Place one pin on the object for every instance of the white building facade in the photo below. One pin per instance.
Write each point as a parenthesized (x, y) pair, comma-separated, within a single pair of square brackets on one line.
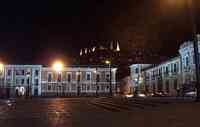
[(36, 80), (21, 80), (169, 76)]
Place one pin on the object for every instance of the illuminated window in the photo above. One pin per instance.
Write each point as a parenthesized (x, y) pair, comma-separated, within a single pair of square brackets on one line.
[(78, 76)]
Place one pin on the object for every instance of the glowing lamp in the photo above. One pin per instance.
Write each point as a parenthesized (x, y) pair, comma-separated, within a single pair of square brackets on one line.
[(107, 62), (58, 66)]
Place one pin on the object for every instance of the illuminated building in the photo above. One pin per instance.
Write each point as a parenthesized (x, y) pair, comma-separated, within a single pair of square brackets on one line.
[(100, 52), (37, 80), (169, 76)]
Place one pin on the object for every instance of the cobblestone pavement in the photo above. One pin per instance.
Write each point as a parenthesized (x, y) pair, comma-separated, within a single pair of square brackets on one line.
[(97, 112)]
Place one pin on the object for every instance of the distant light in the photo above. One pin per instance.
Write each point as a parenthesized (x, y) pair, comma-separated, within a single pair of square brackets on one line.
[(115, 69), (9, 104), (81, 52), (141, 95), (95, 71), (58, 66), (129, 95), (108, 62), (93, 49), (118, 48), (85, 50), (1, 67)]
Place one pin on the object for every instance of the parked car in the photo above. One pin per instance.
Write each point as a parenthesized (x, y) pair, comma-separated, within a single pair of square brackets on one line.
[(160, 94), (190, 94)]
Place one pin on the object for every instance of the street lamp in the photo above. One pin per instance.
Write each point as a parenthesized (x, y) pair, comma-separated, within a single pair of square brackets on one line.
[(97, 88), (78, 82), (57, 67), (108, 62)]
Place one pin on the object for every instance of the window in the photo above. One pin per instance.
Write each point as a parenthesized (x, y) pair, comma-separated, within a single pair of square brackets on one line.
[(35, 92), (9, 73), (36, 82), (28, 72), (22, 81), (28, 81), (175, 68), (49, 87), (160, 72), (8, 80), (167, 71), (88, 87), (19, 72), (17, 81), (83, 86), (73, 87), (136, 70), (98, 78), (187, 61), (172, 67), (59, 77), (108, 87), (69, 77), (78, 76), (107, 77), (49, 77), (88, 76), (36, 72)]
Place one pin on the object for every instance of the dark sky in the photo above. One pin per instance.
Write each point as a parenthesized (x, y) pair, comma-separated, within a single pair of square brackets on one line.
[(39, 31)]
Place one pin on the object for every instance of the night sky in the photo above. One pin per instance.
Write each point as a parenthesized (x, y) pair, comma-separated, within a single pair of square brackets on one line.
[(40, 31)]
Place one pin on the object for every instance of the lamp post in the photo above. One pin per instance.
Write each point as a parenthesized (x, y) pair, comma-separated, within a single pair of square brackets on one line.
[(28, 83), (57, 67), (109, 63), (78, 82), (96, 82)]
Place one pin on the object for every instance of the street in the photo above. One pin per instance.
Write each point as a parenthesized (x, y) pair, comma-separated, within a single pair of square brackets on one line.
[(97, 112)]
